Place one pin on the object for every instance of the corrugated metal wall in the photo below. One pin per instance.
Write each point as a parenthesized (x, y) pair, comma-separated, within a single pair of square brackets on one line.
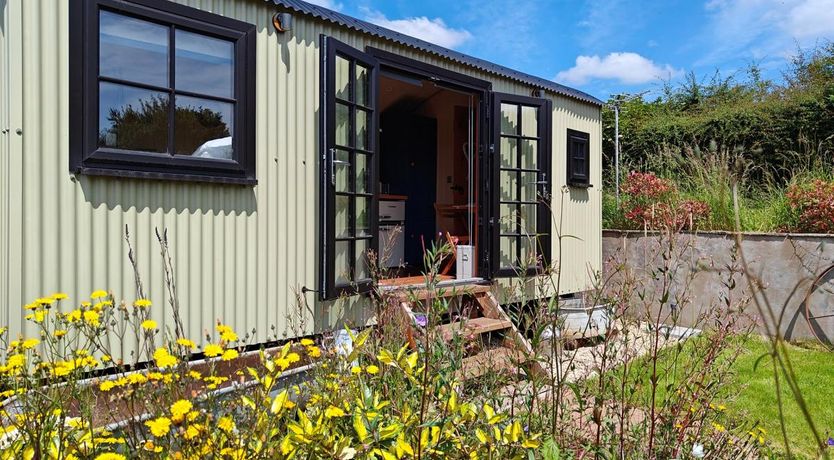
[(241, 253)]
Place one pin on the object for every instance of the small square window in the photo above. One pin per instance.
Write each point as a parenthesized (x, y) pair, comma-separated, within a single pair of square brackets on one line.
[(578, 160), (162, 91)]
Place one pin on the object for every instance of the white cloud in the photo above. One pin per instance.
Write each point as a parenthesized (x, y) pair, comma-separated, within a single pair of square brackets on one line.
[(431, 30), (331, 4), (762, 29), (626, 68)]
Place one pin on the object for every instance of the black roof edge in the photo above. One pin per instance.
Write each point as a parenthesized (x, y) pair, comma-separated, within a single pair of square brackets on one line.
[(350, 22)]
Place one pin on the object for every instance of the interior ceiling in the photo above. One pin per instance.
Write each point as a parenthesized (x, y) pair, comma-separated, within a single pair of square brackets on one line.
[(409, 95)]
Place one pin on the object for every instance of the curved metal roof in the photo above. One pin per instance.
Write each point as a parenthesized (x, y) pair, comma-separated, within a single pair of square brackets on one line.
[(406, 40)]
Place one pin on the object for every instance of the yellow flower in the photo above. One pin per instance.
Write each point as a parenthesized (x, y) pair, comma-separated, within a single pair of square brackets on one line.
[(86, 304), (98, 294), (142, 303), (163, 358), (16, 361), (226, 333), (59, 333), (180, 408), (30, 343), (314, 352), (92, 317), (186, 343), (59, 296), (74, 316), (306, 342), (150, 446), (355, 370), (110, 456), (718, 427), (107, 385), (293, 358), (30, 306), (149, 325), (195, 375), (159, 426), (191, 432), (45, 301), (230, 354), (37, 316), (213, 350), (226, 424), (372, 369)]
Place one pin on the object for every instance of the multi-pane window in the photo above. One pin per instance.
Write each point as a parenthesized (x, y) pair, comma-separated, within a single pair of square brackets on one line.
[(166, 91), (578, 162), (522, 182)]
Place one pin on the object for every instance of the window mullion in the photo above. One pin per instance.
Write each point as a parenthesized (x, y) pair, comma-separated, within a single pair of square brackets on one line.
[(172, 97)]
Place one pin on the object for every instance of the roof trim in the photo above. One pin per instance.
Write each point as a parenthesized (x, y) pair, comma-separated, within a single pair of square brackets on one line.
[(350, 22)]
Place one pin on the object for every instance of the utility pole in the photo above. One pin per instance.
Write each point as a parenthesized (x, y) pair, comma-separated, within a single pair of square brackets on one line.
[(619, 99)]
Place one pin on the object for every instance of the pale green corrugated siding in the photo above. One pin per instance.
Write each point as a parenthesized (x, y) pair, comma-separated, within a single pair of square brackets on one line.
[(65, 233)]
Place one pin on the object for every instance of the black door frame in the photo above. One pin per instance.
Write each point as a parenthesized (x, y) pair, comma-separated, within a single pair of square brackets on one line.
[(396, 63)]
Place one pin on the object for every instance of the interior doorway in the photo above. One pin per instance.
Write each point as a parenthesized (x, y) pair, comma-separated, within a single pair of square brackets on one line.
[(428, 175)]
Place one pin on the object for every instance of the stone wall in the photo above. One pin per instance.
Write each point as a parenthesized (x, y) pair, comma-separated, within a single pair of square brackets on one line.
[(785, 265)]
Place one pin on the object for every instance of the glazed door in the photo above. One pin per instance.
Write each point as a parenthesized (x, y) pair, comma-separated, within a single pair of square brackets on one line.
[(348, 169)]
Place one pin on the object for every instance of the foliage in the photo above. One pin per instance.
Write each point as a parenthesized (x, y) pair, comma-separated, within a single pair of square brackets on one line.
[(650, 202), (363, 404), (814, 204)]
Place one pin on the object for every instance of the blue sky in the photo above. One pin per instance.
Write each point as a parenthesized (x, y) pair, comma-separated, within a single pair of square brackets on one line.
[(607, 47)]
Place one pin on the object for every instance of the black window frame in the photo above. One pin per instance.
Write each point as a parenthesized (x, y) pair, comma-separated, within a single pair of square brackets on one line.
[(85, 155), (578, 149)]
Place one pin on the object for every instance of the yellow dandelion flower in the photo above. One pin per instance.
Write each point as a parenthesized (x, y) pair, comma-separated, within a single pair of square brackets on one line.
[(92, 318), (355, 370), (191, 432), (151, 447), (45, 301), (718, 427), (213, 350), (293, 358), (60, 296), (226, 424), (373, 370), (30, 306), (230, 354), (137, 379), (142, 303), (107, 385), (283, 363), (59, 333), (86, 304), (163, 358), (180, 408), (28, 344), (98, 294), (159, 426), (314, 352), (306, 342), (110, 456), (74, 316), (149, 325), (226, 333), (186, 343), (195, 375), (3, 330)]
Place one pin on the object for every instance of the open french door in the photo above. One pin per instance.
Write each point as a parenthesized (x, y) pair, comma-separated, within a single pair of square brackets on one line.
[(349, 173), (521, 177)]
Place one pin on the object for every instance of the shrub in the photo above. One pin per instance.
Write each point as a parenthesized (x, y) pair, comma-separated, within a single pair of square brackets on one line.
[(652, 202), (813, 202)]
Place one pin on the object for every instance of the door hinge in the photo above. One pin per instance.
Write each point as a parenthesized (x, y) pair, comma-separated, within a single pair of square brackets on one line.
[(492, 149)]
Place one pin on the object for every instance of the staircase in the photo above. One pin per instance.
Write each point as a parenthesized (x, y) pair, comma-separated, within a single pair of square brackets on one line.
[(475, 318)]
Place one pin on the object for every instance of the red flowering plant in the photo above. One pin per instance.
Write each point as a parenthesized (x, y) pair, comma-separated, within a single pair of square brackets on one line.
[(813, 203), (652, 202)]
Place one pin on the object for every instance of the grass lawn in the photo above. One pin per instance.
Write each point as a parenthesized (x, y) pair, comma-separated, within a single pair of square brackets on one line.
[(755, 392)]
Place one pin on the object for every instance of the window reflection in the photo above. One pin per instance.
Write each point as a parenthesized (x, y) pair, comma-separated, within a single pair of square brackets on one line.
[(204, 64), (132, 49), (203, 128), (132, 118)]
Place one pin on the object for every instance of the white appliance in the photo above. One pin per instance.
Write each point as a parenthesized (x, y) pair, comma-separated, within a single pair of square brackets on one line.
[(391, 233), (465, 261)]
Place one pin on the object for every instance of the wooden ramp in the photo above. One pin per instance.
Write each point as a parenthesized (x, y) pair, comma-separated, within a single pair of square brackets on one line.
[(472, 317)]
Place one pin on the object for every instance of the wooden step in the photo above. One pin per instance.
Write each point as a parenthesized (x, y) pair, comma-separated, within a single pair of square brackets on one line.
[(473, 326), (487, 361), (451, 291)]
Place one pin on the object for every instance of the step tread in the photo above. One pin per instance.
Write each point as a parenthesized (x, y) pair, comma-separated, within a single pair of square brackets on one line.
[(489, 361), (473, 326), (452, 291)]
